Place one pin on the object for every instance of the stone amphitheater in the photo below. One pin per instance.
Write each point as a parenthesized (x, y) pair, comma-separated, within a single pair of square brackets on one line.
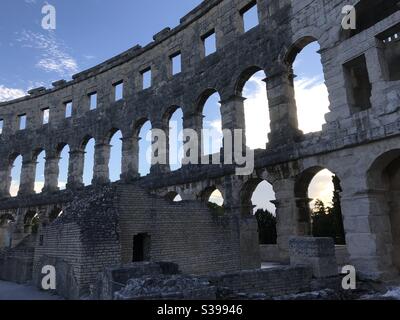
[(109, 225)]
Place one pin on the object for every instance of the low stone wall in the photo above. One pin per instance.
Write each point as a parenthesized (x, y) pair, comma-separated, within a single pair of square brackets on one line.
[(270, 253), (16, 265), (272, 282)]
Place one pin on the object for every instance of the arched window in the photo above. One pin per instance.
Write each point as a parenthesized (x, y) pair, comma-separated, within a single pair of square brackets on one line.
[(318, 191), (39, 175), (257, 196), (145, 151), (114, 165), (63, 165), (15, 175), (88, 162), (173, 197), (176, 140), (256, 110), (216, 198), (309, 83), (212, 124)]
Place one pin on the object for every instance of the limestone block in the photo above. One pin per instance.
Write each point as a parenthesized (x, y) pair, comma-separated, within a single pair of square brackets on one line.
[(318, 253)]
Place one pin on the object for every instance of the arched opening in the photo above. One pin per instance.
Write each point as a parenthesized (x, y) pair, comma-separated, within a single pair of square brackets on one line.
[(16, 166), (214, 199), (63, 166), (115, 162), (311, 93), (175, 139), (212, 123), (6, 221), (384, 184), (318, 200), (40, 159), (31, 222), (173, 197), (54, 214), (257, 198), (88, 161), (145, 151), (257, 120)]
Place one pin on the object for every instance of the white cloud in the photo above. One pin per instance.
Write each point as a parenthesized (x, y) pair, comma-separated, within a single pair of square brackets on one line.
[(256, 113), (7, 94), (321, 187), (54, 56), (312, 103)]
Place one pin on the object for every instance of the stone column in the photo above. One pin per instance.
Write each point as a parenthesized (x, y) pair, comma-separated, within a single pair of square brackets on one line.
[(75, 169), (5, 180), (130, 158), (101, 174), (232, 113), (28, 173), (286, 215), (368, 232), (282, 106), (160, 156), (51, 172), (193, 121)]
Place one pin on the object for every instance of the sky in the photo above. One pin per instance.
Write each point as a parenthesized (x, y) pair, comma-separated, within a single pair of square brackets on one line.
[(91, 31)]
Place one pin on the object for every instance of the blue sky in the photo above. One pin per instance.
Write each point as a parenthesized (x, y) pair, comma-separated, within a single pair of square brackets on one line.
[(91, 31)]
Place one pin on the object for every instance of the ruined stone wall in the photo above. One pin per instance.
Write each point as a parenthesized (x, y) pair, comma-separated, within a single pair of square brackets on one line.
[(357, 142), (185, 233), (80, 243)]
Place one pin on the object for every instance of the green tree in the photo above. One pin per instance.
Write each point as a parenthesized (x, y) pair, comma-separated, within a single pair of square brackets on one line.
[(328, 221), (266, 227)]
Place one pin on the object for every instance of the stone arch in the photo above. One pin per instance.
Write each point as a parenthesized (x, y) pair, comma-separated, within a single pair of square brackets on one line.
[(14, 169), (305, 216), (39, 160), (173, 196), (31, 221), (308, 81), (141, 129), (62, 153), (114, 140), (292, 52), (209, 107), (88, 147), (174, 135), (208, 191), (383, 179), (251, 87), (244, 77)]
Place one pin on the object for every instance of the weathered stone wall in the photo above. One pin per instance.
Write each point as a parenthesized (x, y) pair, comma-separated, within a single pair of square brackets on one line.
[(357, 143), (80, 243), (185, 233), (273, 282)]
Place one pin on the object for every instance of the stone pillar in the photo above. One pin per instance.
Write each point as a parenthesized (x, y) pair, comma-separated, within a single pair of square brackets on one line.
[(368, 232), (282, 107), (286, 215), (5, 180), (101, 174), (160, 156), (193, 121), (130, 158), (232, 112), (75, 169), (28, 173), (248, 238), (51, 172), (303, 216)]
